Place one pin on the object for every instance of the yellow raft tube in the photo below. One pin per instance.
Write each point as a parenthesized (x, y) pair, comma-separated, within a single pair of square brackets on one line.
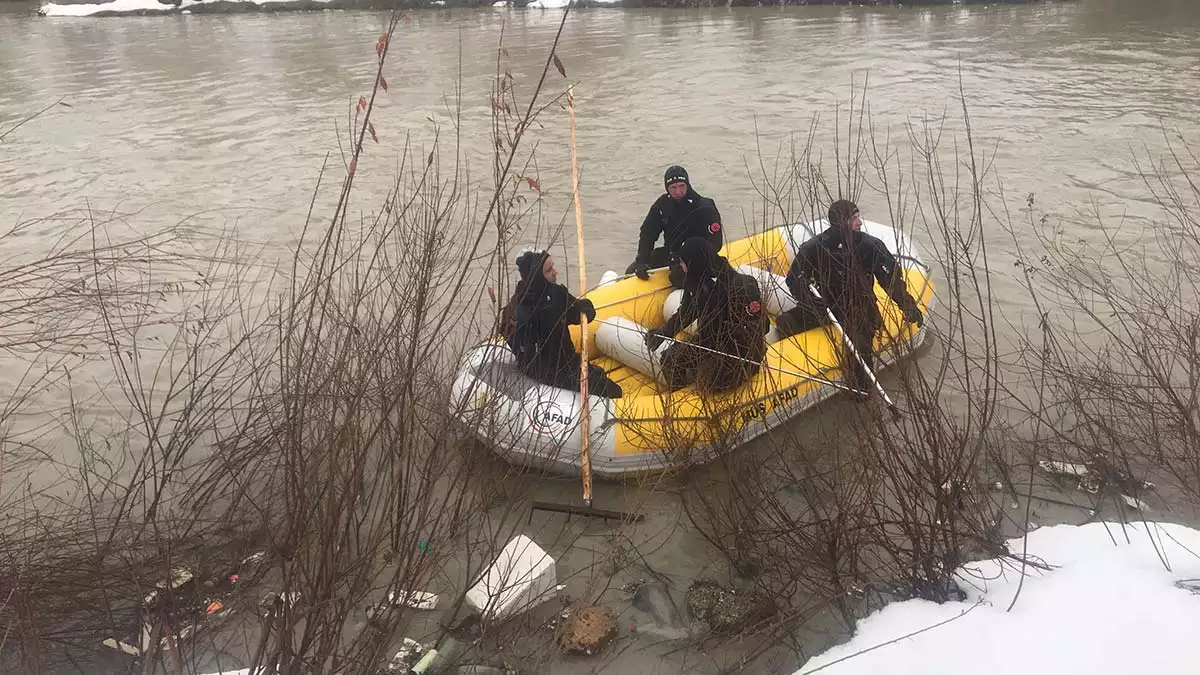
[(649, 428)]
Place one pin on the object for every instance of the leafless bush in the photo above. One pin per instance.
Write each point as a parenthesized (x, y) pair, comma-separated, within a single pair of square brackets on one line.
[(305, 444), (845, 514)]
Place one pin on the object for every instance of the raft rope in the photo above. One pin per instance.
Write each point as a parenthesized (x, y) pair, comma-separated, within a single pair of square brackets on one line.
[(803, 376)]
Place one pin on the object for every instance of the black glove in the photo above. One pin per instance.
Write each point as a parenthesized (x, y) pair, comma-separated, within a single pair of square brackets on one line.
[(642, 270), (912, 314), (585, 306), (654, 338)]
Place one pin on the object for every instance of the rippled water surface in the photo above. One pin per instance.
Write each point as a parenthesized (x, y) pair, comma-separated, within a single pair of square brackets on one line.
[(226, 119), (193, 113)]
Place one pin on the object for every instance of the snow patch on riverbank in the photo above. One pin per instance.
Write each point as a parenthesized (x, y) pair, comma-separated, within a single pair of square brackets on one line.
[(1107, 606)]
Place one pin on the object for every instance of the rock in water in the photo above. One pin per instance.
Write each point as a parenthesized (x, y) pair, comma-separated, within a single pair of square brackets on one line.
[(725, 610), (589, 629)]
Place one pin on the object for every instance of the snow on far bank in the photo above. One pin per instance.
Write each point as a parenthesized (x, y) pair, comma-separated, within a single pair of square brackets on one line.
[(559, 4), (154, 6), (51, 9), (1106, 609), (134, 6)]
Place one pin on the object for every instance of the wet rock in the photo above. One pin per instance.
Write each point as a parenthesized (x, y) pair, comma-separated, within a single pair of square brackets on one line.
[(589, 629), (726, 610)]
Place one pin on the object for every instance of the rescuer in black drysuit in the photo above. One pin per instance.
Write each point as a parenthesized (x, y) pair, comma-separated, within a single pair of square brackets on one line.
[(534, 323), (844, 263), (728, 347), (678, 214)]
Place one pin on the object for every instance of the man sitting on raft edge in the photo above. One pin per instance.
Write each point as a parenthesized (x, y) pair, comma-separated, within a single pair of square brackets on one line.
[(535, 321)]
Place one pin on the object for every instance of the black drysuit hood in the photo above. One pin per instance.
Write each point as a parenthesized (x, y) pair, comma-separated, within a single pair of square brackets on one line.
[(676, 174), (529, 265), (700, 259)]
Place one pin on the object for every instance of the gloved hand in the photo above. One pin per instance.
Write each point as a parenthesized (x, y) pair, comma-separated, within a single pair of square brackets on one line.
[(642, 270), (587, 308), (654, 339), (912, 314)]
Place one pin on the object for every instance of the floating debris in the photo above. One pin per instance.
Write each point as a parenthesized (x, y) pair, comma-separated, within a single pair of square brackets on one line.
[(274, 601), (1134, 503), (179, 576), (414, 599), (726, 610), (632, 587), (588, 630), (655, 600), (522, 576), (1097, 475), (408, 655), (194, 607), (483, 670)]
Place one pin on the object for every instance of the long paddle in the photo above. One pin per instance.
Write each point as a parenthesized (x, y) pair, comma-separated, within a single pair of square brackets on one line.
[(584, 418), (812, 288)]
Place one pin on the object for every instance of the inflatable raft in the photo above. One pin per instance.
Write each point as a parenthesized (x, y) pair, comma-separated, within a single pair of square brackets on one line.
[(650, 428)]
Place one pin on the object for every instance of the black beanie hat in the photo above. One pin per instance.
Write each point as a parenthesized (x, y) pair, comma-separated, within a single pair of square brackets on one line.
[(675, 174), (700, 257), (530, 262), (840, 211)]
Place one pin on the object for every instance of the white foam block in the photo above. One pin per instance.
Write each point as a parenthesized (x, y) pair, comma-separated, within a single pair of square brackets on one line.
[(522, 576)]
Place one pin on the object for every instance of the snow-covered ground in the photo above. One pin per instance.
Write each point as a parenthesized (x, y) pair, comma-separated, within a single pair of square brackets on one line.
[(1116, 602)]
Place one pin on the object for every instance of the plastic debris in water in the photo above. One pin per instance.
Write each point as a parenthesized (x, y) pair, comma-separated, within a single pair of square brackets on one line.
[(404, 659), (414, 599)]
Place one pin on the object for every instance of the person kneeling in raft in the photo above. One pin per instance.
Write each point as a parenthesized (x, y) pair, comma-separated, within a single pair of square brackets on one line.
[(843, 262), (534, 323), (728, 346)]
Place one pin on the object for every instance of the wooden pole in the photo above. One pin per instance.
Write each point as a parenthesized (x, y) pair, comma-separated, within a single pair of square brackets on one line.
[(584, 426)]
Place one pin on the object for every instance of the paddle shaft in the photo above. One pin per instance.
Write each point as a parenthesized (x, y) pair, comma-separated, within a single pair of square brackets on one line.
[(812, 288), (584, 416)]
